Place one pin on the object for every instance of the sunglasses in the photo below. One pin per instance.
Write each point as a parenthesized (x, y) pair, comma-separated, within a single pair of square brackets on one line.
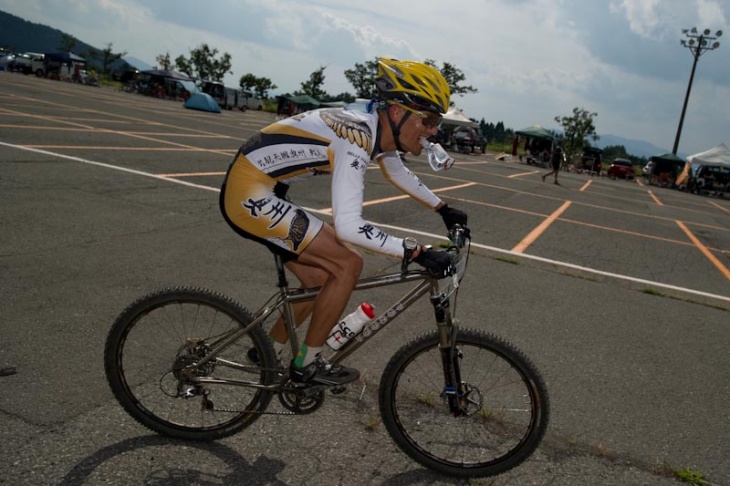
[(429, 119)]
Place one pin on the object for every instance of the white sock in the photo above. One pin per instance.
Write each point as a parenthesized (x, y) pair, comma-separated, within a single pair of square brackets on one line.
[(310, 354)]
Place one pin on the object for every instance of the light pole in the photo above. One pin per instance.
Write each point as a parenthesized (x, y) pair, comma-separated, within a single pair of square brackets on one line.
[(697, 44)]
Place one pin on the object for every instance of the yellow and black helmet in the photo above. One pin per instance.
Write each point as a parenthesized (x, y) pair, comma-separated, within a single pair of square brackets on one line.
[(413, 84)]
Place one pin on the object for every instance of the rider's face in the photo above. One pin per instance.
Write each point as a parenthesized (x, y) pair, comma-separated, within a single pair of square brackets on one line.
[(412, 130)]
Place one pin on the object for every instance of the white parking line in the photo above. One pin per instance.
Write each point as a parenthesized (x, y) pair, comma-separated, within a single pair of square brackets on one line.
[(398, 228)]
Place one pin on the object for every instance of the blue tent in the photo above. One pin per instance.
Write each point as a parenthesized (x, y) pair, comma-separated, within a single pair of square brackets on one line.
[(203, 102)]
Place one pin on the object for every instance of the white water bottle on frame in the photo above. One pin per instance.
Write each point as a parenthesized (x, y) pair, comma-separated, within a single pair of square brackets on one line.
[(350, 326)]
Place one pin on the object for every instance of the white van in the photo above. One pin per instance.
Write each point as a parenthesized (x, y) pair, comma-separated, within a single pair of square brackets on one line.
[(251, 102), (227, 98)]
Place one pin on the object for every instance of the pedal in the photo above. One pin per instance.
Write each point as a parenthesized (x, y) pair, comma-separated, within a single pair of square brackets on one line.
[(338, 389)]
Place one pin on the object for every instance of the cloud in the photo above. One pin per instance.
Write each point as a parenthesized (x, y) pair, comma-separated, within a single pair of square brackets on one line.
[(530, 60)]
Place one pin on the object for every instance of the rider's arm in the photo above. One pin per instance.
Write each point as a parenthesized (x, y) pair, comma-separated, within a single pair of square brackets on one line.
[(406, 181), (348, 186)]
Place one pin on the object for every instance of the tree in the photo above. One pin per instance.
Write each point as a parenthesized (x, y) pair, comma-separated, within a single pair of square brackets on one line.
[(577, 129), (203, 64), (454, 76), (260, 86), (108, 57), (313, 87), (362, 78), (164, 61), (68, 43)]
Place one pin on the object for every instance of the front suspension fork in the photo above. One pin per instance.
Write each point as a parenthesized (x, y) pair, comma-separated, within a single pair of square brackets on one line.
[(453, 387)]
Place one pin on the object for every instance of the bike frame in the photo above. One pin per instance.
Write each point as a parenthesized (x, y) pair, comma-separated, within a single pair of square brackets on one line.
[(287, 297)]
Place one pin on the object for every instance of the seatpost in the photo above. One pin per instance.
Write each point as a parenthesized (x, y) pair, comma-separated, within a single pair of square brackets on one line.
[(280, 273)]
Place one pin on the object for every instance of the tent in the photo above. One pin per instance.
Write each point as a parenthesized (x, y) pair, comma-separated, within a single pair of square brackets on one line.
[(202, 102), (666, 170), (64, 57), (538, 143), (718, 156), (291, 105), (455, 116), (63, 65), (165, 73), (536, 132)]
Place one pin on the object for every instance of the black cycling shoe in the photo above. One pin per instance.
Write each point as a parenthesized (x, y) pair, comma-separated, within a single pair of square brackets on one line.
[(323, 373)]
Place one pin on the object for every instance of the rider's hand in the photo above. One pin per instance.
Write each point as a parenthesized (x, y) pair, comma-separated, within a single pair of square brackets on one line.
[(452, 216), (438, 263)]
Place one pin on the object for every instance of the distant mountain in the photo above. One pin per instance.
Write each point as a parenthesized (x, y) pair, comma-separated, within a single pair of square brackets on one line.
[(18, 35), (638, 148)]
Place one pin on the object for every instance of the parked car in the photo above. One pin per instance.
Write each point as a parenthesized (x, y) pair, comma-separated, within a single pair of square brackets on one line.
[(591, 161), (468, 140), (252, 102), (25, 62), (646, 170), (621, 168)]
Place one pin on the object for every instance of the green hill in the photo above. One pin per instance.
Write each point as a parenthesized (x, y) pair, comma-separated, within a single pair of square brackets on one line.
[(19, 35)]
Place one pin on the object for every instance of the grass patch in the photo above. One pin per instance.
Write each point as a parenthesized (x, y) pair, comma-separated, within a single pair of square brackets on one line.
[(513, 261), (692, 476), (371, 423), (681, 299)]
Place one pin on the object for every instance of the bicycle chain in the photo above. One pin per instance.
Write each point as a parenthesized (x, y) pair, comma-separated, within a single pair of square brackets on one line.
[(265, 412)]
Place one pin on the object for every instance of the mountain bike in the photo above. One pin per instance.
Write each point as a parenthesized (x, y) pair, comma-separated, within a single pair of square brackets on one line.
[(463, 402)]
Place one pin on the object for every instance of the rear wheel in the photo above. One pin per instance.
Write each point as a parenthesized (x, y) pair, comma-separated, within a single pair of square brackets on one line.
[(149, 358), (503, 400)]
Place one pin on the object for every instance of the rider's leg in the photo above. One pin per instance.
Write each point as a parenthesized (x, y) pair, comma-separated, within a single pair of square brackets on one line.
[(343, 266), (308, 277)]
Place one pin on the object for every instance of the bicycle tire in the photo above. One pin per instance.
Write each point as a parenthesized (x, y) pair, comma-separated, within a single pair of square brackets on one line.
[(506, 425), (150, 342)]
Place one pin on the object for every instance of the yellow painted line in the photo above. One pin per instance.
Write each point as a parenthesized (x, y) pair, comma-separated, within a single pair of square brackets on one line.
[(407, 230), (405, 196), (719, 207), (641, 184), (192, 174), (656, 199), (541, 228), (585, 186), (522, 174), (718, 264), (67, 129)]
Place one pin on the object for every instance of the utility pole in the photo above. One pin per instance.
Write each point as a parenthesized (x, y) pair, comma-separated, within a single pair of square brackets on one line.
[(697, 44)]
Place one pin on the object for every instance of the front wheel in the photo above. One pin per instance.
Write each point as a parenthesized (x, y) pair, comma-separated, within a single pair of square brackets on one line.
[(503, 405), (151, 358)]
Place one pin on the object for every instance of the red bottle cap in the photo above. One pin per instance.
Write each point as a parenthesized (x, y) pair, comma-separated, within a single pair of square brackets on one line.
[(368, 309)]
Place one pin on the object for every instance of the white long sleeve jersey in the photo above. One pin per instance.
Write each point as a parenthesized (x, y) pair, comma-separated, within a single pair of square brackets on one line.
[(341, 143)]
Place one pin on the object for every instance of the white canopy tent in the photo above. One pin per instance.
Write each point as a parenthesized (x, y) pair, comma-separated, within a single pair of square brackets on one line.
[(718, 156), (455, 116)]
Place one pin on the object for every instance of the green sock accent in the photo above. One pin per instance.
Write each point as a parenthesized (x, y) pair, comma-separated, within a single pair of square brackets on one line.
[(299, 360)]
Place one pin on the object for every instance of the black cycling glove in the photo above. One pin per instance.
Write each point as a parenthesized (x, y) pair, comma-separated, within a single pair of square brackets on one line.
[(452, 216), (438, 263)]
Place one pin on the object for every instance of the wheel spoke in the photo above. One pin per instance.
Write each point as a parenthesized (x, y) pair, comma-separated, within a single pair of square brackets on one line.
[(505, 413), (151, 355)]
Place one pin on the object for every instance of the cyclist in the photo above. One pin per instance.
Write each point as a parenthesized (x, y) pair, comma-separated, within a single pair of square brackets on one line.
[(411, 99)]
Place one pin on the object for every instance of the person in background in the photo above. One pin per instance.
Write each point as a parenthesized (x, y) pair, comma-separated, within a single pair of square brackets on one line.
[(556, 160)]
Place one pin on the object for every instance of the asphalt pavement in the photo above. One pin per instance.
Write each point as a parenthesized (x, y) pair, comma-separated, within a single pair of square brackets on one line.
[(619, 292)]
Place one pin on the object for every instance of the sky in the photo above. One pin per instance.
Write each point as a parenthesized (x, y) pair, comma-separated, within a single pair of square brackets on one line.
[(530, 60)]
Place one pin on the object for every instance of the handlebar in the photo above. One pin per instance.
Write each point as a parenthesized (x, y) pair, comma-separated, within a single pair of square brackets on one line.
[(459, 236)]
